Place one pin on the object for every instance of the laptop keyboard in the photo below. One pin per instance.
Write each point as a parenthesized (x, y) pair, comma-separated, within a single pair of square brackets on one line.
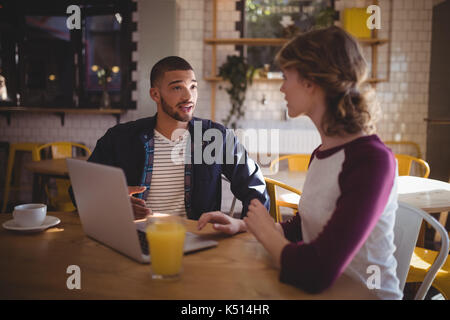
[(195, 243)]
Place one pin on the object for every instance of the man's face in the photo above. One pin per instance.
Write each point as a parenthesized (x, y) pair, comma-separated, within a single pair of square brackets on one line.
[(176, 94)]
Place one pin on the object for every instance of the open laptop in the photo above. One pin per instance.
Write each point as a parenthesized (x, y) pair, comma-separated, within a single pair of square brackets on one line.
[(106, 214)]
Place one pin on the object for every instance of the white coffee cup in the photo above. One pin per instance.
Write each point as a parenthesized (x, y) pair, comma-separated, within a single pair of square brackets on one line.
[(30, 214)]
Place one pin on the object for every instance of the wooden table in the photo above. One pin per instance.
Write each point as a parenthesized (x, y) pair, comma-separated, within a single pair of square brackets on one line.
[(33, 266), (427, 194), (432, 196), (44, 170), (295, 179)]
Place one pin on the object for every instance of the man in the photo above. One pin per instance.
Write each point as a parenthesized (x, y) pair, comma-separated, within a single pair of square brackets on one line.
[(161, 181)]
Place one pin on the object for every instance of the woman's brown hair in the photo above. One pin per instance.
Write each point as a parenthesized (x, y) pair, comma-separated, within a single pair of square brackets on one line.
[(332, 59)]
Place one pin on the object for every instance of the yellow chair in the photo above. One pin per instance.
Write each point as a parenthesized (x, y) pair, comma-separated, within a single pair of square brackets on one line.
[(13, 149), (274, 202), (405, 163), (403, 145), (421, 262), (61, 201), (296, 162)]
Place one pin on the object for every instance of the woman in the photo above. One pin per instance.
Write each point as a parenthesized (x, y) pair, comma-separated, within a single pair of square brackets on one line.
[(347, 209)]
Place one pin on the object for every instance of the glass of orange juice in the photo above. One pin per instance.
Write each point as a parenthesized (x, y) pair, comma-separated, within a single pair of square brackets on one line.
[(165, 236)]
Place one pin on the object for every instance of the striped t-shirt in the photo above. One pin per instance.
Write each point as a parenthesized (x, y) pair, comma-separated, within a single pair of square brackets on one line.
[(167, 185)]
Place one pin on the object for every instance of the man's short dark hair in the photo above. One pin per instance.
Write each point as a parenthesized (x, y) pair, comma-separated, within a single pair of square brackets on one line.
[(170, 63)]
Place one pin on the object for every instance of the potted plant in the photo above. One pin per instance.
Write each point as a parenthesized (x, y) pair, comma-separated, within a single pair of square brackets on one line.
[(239, 73)]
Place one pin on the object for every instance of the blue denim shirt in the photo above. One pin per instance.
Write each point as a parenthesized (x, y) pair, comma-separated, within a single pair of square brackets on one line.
[(130, 146)]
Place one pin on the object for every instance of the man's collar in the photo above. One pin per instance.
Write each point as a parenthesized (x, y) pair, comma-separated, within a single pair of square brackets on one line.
[(148, 132)]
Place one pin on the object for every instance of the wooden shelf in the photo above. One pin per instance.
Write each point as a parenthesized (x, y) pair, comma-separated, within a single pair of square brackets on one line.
[(276, 41), (373, 42), (438, 121), (247, 41), (61, 112), (376, 80), (219, 79)]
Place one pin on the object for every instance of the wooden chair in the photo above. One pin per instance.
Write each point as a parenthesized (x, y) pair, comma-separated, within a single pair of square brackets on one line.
[(274, 202), (405, 163), (296, 162), (402, 147), (60, 150), (14, 148)]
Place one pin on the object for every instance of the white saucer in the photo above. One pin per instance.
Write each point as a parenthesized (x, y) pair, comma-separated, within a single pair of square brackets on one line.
[(49, 221)]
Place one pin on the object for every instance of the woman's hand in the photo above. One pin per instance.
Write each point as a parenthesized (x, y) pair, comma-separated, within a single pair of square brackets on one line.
[(139, 208), (258, 220), (221, 222), (260, 223)]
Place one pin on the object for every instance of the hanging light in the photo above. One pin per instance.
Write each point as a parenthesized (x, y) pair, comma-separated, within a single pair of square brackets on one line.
[(118, 17)]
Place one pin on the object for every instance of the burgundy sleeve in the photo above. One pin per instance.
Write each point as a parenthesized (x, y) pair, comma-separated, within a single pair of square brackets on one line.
[(365, 183), (292, 228)]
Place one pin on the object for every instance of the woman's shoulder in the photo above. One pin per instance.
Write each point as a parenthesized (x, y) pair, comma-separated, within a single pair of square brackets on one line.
[(369, 147), (365, 147), (370, 155)]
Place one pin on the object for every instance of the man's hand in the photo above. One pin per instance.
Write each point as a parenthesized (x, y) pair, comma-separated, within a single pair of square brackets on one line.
[(139, 208), (221, 222)]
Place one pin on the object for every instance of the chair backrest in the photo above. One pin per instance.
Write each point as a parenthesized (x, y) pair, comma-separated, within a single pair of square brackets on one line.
[(405, 163), (296, 162), (62, 149), (406, 230), (404, 147), (271, 185), (60, 198)]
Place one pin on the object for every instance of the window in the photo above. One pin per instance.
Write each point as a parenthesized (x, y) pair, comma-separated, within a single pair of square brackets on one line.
[(281, 19), (46, 59), (43, 63)]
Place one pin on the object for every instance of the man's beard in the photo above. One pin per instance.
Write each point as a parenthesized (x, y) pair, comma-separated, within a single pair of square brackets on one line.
[(173, 113)]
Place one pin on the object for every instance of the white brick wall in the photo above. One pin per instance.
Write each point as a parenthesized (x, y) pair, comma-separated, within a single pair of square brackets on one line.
[(404, 99)]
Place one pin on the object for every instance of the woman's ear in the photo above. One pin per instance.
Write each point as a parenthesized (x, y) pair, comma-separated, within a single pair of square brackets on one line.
[(308, 84)]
